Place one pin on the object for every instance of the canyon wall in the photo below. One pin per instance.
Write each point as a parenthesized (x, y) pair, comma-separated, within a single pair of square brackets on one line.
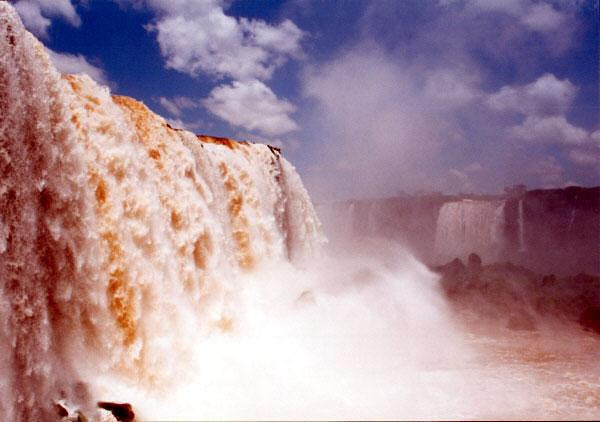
[(556, 230)]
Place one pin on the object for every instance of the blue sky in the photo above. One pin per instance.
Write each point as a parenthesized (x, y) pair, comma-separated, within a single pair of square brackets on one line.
[(365, 98)]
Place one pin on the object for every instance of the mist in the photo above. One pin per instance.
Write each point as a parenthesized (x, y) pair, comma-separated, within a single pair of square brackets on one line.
[(364, 333)]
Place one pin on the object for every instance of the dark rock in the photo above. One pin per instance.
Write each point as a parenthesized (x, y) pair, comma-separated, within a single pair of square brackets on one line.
[(121, 411), (61, 410), (548, 280), (453, 276), (590, 319), (474, 262), (453, 269)]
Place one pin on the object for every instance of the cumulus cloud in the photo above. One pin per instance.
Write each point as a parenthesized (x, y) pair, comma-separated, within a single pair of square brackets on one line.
[(545, 96), (585, 157), (595, 138), (550, 129), (37, 14), (537, 16), (408, 105), (542, 17), (450, 87), (253, 106), (588, 154), (552, 20), (549, 171), (76, 63), (544, 103), (199, 37), (177, 105)]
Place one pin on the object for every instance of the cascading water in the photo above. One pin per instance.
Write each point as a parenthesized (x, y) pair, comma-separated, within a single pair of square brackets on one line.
[(114, 221), (521, 227), (470, 226), (186, 275)]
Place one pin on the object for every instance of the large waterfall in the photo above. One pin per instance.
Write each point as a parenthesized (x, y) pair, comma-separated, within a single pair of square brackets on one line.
[(470, 226), (116, 230)]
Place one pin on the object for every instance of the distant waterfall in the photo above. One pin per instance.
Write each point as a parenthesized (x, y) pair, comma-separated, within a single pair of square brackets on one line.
[(470, 226), (521, 227)]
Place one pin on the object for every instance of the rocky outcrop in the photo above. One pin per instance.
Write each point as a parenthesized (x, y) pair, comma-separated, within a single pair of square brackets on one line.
[(520, 299), (123, 412)]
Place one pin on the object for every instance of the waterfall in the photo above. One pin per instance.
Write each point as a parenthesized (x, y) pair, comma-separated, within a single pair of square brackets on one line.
[(117, 230), (470, 226), (521, 227), (374, 216)]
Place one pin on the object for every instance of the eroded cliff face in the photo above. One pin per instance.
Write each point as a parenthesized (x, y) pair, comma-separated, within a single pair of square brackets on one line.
[(116, 228), (549, 231)]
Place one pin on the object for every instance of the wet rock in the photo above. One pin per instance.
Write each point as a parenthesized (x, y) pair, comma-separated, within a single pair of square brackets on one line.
[(474, 263), (121, 411), (453, 269), (81, 417), (453, 276), (62, 411)]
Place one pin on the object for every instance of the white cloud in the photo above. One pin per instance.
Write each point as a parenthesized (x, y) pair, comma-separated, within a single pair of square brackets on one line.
[(589, 153), (553, 20), (36, 14), (595, 138), (545, 96), (585, 157), (406, 107), (70, 63), (197, 37), (253, 106), (543, 17), (548, 171), (450, 87), (537, 16), (551, 129), (177, 105)]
